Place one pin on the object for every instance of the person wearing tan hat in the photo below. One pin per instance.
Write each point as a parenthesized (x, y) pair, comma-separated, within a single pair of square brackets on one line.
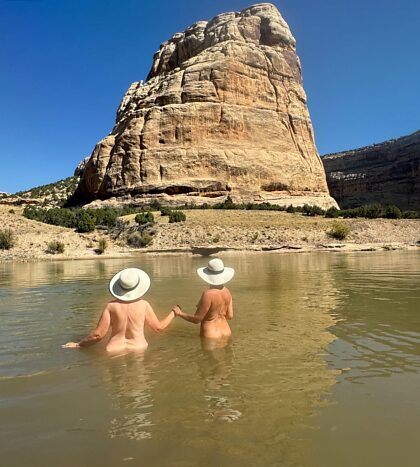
[(127, 315), (215, 307)]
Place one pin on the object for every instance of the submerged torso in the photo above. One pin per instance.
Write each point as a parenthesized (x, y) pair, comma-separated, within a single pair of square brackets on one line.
[(127, 324), (214, 324)]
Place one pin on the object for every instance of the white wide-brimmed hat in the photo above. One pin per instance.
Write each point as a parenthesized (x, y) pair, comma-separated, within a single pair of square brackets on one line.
[(215, 273), (129, 284)]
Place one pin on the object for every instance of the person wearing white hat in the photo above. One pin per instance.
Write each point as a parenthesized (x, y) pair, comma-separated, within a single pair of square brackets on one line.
[(127, 315), (215, 307)]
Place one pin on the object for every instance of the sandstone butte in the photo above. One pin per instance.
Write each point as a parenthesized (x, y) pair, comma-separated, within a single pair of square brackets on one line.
[(223, 111), (386, 173)]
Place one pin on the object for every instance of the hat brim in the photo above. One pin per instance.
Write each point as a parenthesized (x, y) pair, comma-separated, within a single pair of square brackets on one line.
[(216, 278), (133, 294)]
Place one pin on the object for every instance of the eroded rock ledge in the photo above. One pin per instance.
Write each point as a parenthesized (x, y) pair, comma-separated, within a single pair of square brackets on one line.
[(386, 173), (222, 111)]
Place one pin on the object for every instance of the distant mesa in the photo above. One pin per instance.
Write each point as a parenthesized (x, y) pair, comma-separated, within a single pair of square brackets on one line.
[(222, 111), (386, 173)]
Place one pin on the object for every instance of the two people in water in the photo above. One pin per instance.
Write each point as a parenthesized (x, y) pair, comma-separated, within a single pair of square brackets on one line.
[(128, 314)]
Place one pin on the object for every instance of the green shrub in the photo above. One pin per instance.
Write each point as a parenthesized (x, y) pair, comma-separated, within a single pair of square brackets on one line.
[(7, 239), (373, 211), (102, 246), (138, 240), (144, 218), (165, 211), (85, 223), (291, 209), (55, 247), (332, 212), (155, 205), (392, 212), (176, 216), (339, 231), (309, 210), (410, 215)]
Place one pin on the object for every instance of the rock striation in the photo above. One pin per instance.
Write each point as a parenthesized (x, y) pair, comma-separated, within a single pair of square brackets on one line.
[(222, 111), (386, 173)]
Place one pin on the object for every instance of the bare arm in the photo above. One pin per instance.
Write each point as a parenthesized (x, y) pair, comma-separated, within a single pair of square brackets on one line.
[(96, 335), (229, 314), (202, 309), (154, 323)]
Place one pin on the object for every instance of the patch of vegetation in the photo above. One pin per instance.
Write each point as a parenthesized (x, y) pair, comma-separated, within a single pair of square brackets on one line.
[(55, 247), (139, 240), (339, 231), (176, 216), (7, 239), (102, 246), (332, 212), (309, 210), (165, 211), (392, 212), (12, 211), (144, 218)]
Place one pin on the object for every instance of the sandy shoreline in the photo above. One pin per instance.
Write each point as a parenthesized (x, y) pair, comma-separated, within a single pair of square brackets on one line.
[(214, 232)]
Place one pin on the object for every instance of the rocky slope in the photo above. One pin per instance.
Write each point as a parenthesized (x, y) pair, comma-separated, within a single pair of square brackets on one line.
[(222, 111), (387, 173)]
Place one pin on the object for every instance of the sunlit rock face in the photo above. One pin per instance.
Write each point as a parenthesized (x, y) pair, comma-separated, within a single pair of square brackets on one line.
[(222, 111), (386, 173)]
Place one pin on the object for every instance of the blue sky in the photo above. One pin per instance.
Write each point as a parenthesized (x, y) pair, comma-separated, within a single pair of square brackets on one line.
[(65, 66)]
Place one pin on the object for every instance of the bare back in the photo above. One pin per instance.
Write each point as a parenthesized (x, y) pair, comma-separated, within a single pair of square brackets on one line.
[(127, 322), (217, 305)]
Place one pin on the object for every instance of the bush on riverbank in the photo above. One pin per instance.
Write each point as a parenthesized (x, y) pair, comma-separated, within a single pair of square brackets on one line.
[(176, 216), (55, 247), (7, 239), (102, 246), (144, 218), (139, 240), (339, 231)]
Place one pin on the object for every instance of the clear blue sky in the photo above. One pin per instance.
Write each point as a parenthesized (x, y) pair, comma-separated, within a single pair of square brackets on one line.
[(65, 65)]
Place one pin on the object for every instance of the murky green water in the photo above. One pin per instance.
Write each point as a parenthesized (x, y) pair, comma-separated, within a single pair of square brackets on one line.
[(323, 369)]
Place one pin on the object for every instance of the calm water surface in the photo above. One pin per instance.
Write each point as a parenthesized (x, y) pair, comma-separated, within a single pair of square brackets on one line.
[(323, 369)]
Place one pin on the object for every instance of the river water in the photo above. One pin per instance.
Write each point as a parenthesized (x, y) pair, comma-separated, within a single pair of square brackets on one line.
[(323, 369)]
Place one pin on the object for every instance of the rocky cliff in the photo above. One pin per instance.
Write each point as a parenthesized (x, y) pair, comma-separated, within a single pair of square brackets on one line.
[(387, 173), (222, 111)]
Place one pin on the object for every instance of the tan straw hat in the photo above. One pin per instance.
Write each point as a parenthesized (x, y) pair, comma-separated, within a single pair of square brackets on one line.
[(129, 284), (215, 273)]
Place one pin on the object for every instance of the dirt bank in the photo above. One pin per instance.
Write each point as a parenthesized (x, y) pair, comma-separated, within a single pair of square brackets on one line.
[(210, 230)]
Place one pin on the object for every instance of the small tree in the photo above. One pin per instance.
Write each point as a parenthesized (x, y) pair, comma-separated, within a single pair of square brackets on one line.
[(332, 212), (7, 239), (176, 216), (85, 223), (165, 211), (392, 212), (144, 218)]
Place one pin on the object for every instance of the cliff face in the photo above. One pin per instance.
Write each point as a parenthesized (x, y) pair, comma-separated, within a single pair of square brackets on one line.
[(386, 173), (222, 111)]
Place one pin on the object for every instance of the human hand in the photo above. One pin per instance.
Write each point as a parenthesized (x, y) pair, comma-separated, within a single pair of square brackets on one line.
[(71, 345), (177, 310)]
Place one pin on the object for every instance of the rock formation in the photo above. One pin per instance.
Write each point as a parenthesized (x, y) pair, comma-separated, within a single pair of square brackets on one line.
[(386, 173), (222, 111)]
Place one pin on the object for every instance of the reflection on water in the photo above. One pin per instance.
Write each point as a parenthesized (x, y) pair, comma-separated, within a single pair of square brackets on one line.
[(267, 396)]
